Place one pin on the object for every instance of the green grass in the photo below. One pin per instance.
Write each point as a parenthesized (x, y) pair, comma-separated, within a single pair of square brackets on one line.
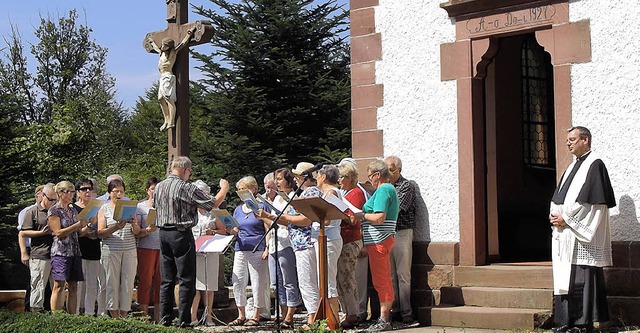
[(61, 322)]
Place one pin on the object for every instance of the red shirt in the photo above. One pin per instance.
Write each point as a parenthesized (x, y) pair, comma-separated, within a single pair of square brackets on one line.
[(351, 233)]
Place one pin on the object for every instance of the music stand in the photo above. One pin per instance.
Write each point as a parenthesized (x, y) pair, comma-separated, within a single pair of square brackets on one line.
[(211, 244), (318, 209)]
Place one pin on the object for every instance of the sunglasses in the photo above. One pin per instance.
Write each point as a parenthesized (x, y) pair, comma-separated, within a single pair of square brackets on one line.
[(46, 196), (84, 189)]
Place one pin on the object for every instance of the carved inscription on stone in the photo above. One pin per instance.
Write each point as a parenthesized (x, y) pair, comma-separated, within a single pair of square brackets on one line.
[(511, 20)]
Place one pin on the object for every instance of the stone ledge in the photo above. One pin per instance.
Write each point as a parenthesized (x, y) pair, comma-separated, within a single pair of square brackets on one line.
[(622, 281), (436, 253)]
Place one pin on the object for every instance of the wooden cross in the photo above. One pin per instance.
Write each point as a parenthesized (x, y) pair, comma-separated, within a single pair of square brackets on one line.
[(178, 29)]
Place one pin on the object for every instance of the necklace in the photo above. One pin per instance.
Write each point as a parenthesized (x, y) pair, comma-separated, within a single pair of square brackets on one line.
[(244, 210)]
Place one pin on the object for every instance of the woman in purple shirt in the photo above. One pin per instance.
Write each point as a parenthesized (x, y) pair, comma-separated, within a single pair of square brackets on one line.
[(66, 262)]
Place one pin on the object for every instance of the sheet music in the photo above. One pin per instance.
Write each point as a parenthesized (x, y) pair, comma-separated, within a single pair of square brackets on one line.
[(343, 204)]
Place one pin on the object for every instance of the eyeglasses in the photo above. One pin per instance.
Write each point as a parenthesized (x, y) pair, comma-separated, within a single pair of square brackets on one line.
[(84, 189), (117, 191), (46, 196), (371, 175)]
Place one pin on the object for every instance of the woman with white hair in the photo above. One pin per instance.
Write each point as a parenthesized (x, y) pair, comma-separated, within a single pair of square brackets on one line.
[(351, 232), (207, 264), (245, 262)]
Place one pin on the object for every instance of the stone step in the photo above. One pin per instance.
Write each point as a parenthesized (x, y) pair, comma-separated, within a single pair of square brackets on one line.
[(504, 275), (523, 298), (484, 317)]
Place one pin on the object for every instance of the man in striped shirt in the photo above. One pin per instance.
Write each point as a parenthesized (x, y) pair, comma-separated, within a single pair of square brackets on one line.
[(177, 202)]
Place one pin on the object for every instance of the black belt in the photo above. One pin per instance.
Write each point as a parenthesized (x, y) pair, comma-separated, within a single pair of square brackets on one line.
[(172, 228)]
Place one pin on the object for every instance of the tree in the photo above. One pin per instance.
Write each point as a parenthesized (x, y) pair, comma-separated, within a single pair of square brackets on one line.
[(67, 107), (276, 88), (59, 121)]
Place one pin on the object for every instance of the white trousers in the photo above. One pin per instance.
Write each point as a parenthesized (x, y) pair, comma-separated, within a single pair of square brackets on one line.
[(92, 289), (307, 264), (334, 248), (120, 273), (401, 257), (248, 265)]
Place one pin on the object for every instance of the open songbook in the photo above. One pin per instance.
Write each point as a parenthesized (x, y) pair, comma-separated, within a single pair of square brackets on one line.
[(266, 202), (247, 197), (343, 204), (125, 209), (213, 243), (227, 219), (90, 210)]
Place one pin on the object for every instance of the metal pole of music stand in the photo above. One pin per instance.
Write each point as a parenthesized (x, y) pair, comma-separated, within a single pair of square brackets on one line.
[(275, 226)]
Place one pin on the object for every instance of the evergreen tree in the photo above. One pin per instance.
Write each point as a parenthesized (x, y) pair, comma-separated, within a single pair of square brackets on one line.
[(276, 89)]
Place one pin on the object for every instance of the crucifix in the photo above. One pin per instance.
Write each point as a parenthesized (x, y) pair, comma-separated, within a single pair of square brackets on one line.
[(172, 44)]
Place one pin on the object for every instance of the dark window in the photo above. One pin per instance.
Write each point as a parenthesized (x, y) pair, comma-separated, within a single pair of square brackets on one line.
[(537, 105)]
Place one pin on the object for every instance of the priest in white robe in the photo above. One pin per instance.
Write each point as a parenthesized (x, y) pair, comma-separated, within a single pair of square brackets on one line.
[(581, 241)]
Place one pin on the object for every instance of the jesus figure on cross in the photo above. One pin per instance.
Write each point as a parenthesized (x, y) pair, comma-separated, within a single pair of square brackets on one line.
[(167, 87)]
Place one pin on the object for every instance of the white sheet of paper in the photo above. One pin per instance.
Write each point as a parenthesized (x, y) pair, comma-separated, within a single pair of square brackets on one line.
[(216, 244), (343, 204)]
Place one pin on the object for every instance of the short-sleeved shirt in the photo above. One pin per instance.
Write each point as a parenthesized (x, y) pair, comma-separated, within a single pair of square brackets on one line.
[(65, 246), (89, 246), (384, 199), (177, 203), (151, 241), (250, 231), (120, 240), (351, 233), (27, 240), (35, 218), (301, 236)]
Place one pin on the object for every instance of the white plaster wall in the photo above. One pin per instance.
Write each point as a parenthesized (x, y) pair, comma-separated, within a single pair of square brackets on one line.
[(605, 97), (419, 116)]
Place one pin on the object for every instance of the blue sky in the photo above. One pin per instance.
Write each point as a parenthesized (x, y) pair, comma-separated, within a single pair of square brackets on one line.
[(117, 25)]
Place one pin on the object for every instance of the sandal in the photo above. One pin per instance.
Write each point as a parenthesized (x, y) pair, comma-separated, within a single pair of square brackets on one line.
[(251, 322), (287, 325), (237, 322)]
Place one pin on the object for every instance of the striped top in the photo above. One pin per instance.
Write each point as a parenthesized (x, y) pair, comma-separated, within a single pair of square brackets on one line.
[(384, 199), (120, 240), (177, 203)]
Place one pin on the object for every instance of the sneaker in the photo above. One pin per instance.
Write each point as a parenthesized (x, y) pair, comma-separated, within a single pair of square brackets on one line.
[(407, 319), (381, 326)]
